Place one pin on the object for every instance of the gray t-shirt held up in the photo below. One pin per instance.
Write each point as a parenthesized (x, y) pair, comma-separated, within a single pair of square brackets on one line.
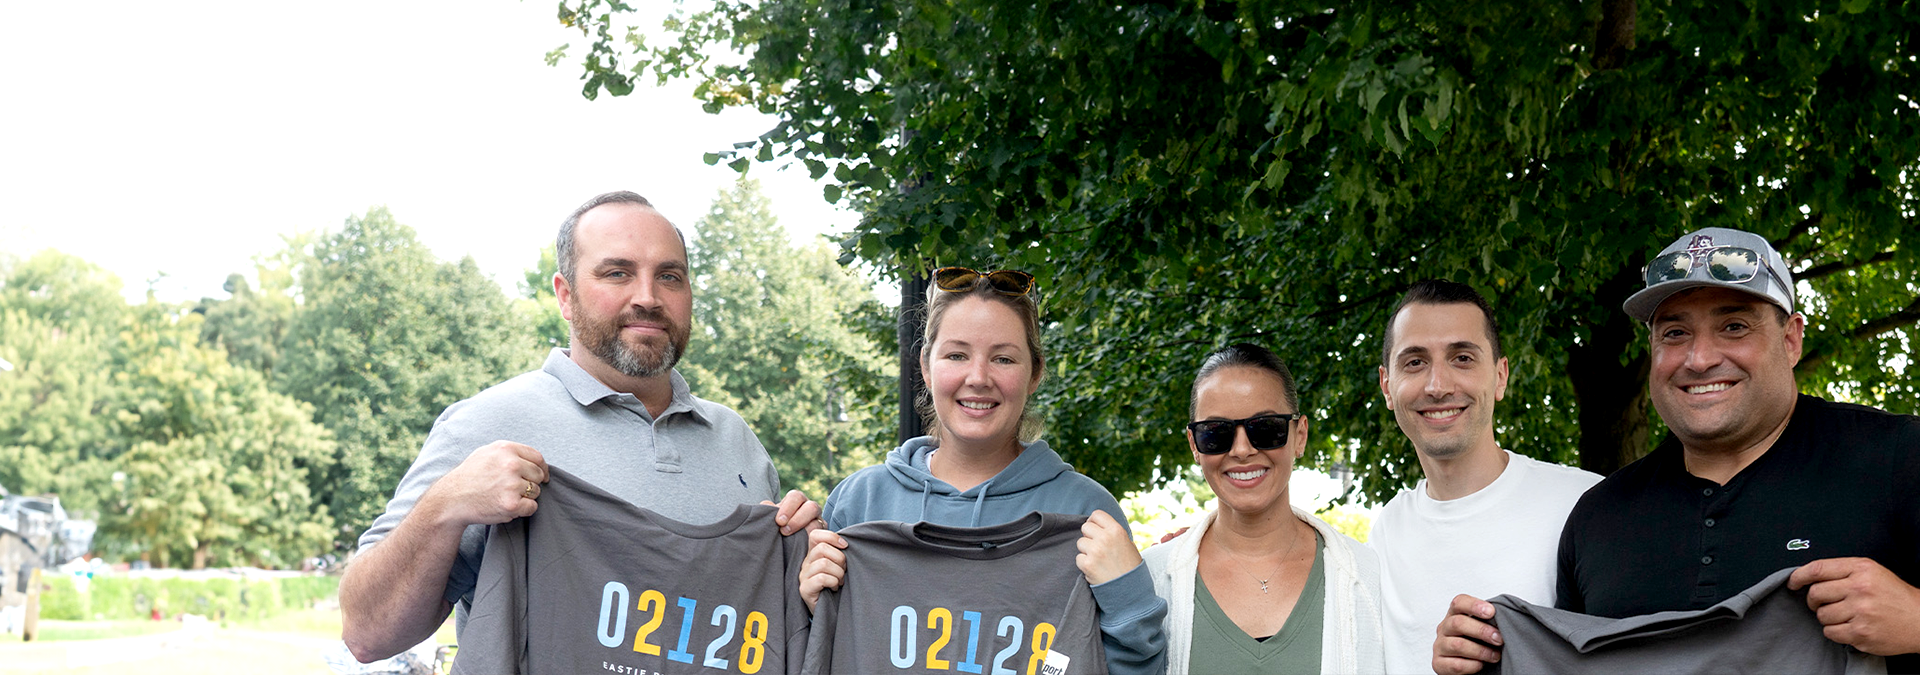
[(920, 598), (1764, 629), (693, 464), (591, 583)]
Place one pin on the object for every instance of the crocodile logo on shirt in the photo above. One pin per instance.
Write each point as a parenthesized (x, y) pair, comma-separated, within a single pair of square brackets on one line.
[(1799, 545)]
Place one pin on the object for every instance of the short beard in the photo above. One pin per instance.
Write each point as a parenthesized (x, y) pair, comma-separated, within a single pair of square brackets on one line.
[(602, 339), (631, 363)]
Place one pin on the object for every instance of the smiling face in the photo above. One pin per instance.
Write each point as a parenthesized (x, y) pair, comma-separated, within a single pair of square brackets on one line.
[(631, 303), (1442, 379), (979, 372), (1722, 375), (1248, 481)]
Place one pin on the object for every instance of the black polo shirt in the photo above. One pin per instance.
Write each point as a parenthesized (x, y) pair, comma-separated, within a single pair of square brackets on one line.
[(1842, 480)]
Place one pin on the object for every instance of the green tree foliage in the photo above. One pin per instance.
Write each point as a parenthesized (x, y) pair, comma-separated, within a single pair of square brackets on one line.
[(122, 413), (252, 322), (1182, 174), (537, 304), (218, 466), (60, 325), (772, 342), (385, 338)]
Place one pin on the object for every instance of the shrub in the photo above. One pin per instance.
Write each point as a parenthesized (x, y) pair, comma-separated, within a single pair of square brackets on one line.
[(119, 598)]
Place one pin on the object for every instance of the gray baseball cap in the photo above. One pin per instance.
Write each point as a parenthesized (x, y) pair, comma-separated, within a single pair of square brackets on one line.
[(1714, 256)]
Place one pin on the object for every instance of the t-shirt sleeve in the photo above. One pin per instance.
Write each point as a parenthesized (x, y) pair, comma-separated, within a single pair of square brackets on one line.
[(798, 619), (1566, 589), (819, 649), (495, 636)]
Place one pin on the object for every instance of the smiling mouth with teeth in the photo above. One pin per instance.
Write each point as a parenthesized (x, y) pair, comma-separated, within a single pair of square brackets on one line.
[(1441, 414), (977, 405), (1249, 474), (1705, 388)]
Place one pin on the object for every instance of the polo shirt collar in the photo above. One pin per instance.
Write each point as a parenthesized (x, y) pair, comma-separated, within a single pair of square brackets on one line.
[(587, 389)]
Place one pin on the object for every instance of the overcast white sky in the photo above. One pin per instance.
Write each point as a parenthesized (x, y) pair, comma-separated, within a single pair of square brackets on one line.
[(185, 138)]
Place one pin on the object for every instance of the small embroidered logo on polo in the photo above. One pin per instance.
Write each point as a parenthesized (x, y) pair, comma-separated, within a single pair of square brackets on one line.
[(1799, 545)]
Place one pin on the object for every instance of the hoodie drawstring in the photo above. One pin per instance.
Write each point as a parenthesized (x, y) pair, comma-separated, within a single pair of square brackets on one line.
[(926, 496), (979, 502)]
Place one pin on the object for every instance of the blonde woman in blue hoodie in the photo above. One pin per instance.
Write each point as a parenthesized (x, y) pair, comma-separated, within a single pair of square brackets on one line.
[(982, 462)]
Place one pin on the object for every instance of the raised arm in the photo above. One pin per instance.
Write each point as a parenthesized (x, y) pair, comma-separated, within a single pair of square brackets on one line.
[(394, 594)]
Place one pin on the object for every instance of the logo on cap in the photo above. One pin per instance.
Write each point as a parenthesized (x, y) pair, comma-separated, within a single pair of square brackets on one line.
[(1700, 245)]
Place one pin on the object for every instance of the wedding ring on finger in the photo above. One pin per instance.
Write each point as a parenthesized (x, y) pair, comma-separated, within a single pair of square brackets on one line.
[(528, 492)]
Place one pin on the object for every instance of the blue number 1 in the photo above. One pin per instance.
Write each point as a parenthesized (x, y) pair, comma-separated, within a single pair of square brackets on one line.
[(686, 631), (972, 664)]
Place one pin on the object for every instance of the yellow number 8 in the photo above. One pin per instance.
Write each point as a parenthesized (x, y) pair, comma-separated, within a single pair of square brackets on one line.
[(1042, 641), (753, 651)]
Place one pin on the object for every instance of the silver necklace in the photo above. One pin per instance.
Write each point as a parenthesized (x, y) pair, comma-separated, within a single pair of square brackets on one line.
[(1239, 564)]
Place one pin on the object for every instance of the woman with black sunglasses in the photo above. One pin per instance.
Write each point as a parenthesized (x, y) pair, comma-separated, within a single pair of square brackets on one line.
[(983, 463), (1257, 585)]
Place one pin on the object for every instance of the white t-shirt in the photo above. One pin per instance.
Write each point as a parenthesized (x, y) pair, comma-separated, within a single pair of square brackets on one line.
[(1503, 539)]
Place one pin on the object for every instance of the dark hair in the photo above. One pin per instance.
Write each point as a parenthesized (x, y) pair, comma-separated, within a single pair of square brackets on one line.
[(1439, 292), (563, 253), (1243, 355), (1024, 306)]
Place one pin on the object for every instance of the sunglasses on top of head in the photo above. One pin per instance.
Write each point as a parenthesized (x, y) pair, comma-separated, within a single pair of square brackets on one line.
[(1005, 282), (1731, 264), (1265, 432)]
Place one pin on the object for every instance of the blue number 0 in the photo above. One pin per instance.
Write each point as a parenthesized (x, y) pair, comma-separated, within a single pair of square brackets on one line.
[(901, 651)]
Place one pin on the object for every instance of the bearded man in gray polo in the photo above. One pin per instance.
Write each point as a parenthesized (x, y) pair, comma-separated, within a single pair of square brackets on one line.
[(611, 410)]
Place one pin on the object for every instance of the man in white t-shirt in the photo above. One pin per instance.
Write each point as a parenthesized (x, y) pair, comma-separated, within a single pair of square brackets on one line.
[(1484, 521)]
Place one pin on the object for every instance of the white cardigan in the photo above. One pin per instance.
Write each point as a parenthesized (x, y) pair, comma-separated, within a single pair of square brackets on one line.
[(1350, 642)]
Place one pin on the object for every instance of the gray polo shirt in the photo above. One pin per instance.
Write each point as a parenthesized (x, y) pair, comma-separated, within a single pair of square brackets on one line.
[(694, 464)]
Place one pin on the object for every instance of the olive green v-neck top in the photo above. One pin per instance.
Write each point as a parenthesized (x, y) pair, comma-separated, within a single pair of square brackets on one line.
[(1220, 646)]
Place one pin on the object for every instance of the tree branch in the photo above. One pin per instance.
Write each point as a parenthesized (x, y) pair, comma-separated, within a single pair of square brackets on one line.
[(1906, 316), (1799, 229), (1829, 269)]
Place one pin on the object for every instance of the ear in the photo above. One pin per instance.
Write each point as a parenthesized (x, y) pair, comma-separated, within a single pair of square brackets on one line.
[(1039, 373), (563, 294), (1193, 446), (1384, 393), (1500, 379), (926, 373), (1796, 334), (1302, 452)]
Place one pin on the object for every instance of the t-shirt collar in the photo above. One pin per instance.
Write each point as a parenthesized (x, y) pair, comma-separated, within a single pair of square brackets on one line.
[(587, 389)]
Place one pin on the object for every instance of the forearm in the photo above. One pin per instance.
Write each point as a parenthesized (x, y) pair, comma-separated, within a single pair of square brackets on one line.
[(392, 596), (1132, 620)]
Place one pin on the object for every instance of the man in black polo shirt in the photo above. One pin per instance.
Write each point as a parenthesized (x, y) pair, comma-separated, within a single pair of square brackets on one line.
[(1755, 477)]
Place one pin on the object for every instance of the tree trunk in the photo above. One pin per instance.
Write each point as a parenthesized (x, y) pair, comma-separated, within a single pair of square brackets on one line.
[(1611, 396), (913, 314), (1614, 37), (200, 555)]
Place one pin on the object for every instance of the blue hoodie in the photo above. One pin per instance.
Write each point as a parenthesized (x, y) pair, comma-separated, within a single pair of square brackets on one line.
[(904, 489)]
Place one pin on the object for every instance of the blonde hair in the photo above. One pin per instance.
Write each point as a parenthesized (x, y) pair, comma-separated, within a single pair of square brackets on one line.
[(1024, 306)]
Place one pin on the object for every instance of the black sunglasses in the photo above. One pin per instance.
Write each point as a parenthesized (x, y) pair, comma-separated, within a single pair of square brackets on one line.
[(1005, 282), (1265, 432)]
